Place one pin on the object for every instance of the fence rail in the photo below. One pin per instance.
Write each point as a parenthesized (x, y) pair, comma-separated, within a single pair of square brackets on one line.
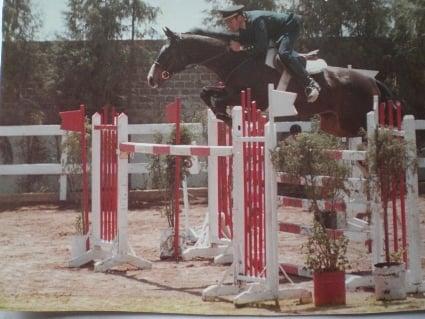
[(61, 169), (135, 130)]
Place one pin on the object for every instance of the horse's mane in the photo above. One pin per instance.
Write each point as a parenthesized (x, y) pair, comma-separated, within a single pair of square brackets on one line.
[(226, 36)]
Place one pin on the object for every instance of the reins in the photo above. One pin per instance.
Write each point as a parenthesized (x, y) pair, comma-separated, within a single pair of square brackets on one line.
[(166, 74)]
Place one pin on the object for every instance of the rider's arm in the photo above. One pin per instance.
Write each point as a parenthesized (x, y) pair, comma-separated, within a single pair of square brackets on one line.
[(261, 38)]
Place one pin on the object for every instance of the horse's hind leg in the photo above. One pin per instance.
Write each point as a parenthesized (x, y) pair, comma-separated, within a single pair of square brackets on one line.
[(329, 123)]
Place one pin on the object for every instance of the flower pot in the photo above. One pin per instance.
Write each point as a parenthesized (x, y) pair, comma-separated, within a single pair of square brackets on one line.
[(78, 245), (329, 288), (390, 281)]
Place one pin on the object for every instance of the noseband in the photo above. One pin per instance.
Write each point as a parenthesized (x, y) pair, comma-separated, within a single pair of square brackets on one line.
[(165, 75)]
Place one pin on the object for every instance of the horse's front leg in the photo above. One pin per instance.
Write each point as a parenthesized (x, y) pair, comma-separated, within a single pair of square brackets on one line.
[(217, 99), (208, 92)]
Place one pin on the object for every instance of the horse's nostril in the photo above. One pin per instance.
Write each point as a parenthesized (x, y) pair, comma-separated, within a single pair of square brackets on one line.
[(150, 81)]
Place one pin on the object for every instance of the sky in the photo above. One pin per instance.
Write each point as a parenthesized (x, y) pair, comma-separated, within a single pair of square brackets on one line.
[(178, 15)]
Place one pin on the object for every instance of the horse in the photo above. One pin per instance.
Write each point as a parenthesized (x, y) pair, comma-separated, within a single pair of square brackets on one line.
[(345, 97)]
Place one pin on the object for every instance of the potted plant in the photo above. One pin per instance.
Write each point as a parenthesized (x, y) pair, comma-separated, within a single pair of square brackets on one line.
[(306, 156), (387, 158), (326, 258), (78, 240), (390, 278)]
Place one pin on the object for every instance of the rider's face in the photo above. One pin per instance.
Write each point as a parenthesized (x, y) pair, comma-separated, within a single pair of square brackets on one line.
[(233, 24)]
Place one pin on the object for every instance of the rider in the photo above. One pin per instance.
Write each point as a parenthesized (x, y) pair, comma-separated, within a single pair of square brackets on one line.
[(256, 28)]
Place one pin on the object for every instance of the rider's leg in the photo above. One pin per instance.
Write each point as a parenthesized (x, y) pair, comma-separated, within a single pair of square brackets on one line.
[(297, 70)]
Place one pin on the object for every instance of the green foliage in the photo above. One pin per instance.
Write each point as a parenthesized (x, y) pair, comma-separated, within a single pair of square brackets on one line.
[(23, 69), (162, 170), (107, 66), (387, 158), (305, 156), (325, 253), (72, 147), (333, 18), (19, 21)]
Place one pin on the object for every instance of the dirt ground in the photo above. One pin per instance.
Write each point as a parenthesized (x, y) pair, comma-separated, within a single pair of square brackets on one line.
[(35, 249)]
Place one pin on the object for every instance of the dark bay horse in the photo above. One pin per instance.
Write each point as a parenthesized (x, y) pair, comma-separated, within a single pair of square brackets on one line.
[(344, 100)]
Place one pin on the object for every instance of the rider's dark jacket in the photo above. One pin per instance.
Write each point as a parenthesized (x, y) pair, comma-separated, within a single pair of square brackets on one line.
[(263, 26)]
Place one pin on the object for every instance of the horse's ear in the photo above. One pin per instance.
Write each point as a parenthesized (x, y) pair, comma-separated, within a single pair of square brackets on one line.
[(170, 34)]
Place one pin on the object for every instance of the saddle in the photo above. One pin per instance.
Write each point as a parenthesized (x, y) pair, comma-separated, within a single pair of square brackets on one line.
[(310, 60)]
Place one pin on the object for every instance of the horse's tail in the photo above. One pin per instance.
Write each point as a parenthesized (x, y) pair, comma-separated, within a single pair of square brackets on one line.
[(386, 93)]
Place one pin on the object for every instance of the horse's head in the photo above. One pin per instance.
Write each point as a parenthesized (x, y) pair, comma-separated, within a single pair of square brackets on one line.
[(170, 60)]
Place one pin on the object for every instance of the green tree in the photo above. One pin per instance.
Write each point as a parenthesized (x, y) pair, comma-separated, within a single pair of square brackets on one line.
[(24, 84), (337, 19), (94, 66), (408, 36), (23, 80)]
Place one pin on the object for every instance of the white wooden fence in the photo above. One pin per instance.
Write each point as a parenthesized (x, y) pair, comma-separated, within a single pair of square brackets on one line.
[(135, 131), (61, 169)]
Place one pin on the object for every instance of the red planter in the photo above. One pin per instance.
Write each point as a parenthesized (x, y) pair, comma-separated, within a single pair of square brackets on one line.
[(329, 288)]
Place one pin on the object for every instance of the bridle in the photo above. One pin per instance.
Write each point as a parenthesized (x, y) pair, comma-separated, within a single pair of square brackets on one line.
[(167, 73)]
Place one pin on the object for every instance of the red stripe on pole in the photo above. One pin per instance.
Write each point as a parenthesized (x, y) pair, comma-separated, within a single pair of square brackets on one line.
[(127, 148), (254, 182), (398, 105), (161, 150), (292, 202), (382, 114), (200, 151), (172, 112), (290, 228), (390, 110)]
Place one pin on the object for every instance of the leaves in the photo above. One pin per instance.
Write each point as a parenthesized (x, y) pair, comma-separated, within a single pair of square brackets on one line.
[(387, 157), (162, 170), (324, 252), (306, 155), (100, 71)]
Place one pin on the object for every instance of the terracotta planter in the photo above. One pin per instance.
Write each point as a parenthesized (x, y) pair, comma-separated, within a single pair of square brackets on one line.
[(390, 281), (329, 288)]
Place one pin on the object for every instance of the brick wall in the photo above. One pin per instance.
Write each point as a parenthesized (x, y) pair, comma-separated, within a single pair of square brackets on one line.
[(187, 85)]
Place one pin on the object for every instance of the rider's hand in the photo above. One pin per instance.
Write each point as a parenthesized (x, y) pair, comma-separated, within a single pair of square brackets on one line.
[(235, 46)]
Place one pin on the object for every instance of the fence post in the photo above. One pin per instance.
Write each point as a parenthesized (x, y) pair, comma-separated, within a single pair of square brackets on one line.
[(413, 224)]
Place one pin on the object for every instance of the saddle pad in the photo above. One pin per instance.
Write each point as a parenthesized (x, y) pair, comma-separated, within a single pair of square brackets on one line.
[(316, 66), (313, 66)]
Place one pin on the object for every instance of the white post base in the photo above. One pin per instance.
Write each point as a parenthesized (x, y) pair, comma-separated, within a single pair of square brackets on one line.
[(355, 282), (255, 292), (225, 258), (116, 260), (204, 252), (93, 254), (259, 292)]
